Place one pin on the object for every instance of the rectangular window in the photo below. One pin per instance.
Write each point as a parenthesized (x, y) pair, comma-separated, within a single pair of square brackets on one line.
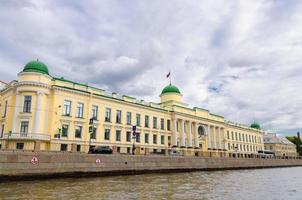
[(20, 146), (154, 139), (2, 131), (94, 112), (169, 125), (108, 115), (138, 137), (138, 120), (27, 104), (232, 135), (64, 130), (118, 135), (169, 140), (119, 116), (93, 133), (128, 136), (236, 136), (24, 128), (67, 108), (155, 122), (228, 134), (63, 147), (78, 147), (128, 118), (5, 109), (162, 139), (239, 136), (80, 110), (249, 138), (146, 138), (78, 132), (243, 137), (162, 124), (107, 134), (146, 121)]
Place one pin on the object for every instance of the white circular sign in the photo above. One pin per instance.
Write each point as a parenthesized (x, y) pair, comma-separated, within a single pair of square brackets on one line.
[(98, 161), (34, 160)]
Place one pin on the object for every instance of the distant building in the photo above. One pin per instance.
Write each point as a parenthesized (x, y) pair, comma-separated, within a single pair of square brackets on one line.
[(279, 145)]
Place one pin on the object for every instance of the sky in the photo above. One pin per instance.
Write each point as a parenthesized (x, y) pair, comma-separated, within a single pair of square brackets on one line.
[(240, 59)]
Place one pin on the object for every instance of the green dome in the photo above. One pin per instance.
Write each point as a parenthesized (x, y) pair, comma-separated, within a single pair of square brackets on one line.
[(255, 126), (36, 66), (170, 89)]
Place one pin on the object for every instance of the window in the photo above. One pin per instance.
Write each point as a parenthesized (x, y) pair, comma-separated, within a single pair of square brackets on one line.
[(169, 125), (78, 132), (78, 147), (128, 118), (169, 140), (128, 136), (236, 136), (154, 122), (154, 139), (229, 146), (27, 104), (138, 137), (94, 112), (20, 145), (162, 124), (138, 120), (107, 134), (108, 115), (119, 116), (146, 121), (118, 135), (162, 139), (63, 147), (146, 138), (5, 109), (2, 131), (239, 137), (64, 130), (80, 109), (249, 138), (243, 137), (232, 135), (228, 135), (24, 128), (93, 133), (67, 108)]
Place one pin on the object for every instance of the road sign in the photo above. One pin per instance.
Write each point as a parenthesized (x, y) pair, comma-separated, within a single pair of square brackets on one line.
[(34, 160), (133, 128), (91, 121), (98, 161)]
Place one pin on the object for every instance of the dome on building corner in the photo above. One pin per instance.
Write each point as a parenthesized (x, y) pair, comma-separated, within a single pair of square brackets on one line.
[(255, 126), (36, 66), (170, 89)]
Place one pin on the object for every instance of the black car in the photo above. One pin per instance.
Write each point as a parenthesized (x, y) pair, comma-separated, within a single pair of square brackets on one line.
[(100, 150)]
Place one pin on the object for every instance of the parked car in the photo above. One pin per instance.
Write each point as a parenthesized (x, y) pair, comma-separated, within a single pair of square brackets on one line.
[(100, 150)]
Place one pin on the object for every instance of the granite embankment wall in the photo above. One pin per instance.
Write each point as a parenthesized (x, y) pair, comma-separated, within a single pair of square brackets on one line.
[(32, 165)]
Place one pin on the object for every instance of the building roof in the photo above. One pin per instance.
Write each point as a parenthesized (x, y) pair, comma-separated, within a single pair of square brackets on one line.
[(36, 66), (272, 138), (170, 89)]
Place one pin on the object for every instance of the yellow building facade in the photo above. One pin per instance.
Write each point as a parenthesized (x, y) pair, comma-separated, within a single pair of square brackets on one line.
[(279, 145), (44, 113)]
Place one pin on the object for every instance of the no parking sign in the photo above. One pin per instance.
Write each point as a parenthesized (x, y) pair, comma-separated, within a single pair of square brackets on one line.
[(98, 161), (34, 160)]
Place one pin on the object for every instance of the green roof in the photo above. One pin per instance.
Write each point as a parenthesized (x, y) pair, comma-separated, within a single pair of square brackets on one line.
[(170, 89), (255, 126), (36, 66)]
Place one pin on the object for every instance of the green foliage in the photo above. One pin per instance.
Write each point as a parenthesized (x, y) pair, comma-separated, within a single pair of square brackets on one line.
[(297, 142)]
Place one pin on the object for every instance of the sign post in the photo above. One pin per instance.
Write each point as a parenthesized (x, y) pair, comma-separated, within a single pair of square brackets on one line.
[(134, 138), (91, 129)]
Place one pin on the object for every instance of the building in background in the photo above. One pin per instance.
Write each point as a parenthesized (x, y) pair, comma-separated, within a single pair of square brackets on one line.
[(42, 112), (2, 85), (279, 145)]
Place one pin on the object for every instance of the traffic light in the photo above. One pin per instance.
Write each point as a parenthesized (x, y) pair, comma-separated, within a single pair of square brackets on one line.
[(90, 129), (91, 121)]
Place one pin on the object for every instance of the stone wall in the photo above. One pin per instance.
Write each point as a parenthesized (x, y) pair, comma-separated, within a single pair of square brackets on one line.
[(15, 165)]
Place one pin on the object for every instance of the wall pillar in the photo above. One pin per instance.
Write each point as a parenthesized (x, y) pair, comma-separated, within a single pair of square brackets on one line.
[(175, 134), (37, 123), (190, 135), (214, 138), (37, 145), (219, 139), (16, 113), (183, 137), (196, 136), (209, 137)]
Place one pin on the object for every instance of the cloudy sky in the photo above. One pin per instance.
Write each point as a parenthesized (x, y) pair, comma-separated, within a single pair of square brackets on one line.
[(241, 59)]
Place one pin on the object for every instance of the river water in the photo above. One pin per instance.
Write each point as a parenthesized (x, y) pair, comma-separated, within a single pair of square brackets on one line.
[(262, 184)]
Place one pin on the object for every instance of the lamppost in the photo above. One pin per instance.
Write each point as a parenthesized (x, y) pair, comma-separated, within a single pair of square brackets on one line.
[(91, 130), (134, 138)]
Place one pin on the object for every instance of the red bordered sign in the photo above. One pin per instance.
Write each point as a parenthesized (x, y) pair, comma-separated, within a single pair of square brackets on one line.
[(98, 161), (34, 160)]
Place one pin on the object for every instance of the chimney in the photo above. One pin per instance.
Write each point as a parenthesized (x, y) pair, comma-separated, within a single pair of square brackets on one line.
[(298, 135)]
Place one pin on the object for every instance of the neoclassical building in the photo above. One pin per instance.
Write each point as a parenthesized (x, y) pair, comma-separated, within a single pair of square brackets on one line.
[(42, 112)]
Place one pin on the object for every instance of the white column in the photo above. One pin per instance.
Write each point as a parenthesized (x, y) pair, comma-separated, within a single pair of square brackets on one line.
[(196, 136), (16, 112), (37, 123), (175, 135), (219, 138), (209, 137), (183, 137), (214, 138), (190, 135)]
